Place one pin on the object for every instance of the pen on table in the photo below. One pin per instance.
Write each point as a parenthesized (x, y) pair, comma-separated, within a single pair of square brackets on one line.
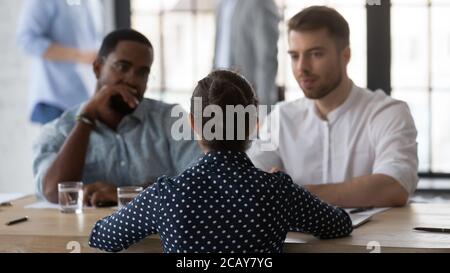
[(360, 209), (429, 229), (13, 222), (5, 204)]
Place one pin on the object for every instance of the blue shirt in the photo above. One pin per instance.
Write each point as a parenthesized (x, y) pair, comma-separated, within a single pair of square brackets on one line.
[(43, 23), (221, 204), (226, 12), (139, 151)]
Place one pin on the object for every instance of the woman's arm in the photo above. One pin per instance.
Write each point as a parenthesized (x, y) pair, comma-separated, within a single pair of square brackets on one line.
[(129, 225), (312, 215)]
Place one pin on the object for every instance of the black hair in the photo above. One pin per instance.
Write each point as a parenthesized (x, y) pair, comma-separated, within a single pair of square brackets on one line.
[(111, 40), (226, 88)]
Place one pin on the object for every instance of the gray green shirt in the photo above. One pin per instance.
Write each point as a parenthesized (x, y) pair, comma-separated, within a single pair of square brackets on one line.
[(140, 150)]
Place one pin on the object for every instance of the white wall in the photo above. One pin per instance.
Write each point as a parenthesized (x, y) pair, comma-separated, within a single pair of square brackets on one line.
[(16, 133)]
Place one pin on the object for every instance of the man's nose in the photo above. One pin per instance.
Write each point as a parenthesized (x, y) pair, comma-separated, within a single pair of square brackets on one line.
[(303, 65), (131, 79)]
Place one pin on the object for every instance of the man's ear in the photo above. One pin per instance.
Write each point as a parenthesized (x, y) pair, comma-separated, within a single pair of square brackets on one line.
[(347, 54), (97, 67)]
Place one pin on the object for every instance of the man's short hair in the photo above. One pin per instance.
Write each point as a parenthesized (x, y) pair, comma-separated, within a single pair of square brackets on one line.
[(111, 40), (322, 17)]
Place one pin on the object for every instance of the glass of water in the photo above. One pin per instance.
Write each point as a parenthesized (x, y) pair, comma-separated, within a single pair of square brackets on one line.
[(126, 194), (70, 197)]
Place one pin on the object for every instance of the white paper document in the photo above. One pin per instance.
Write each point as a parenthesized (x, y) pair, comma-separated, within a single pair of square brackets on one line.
[(362, 216), (42, 205)]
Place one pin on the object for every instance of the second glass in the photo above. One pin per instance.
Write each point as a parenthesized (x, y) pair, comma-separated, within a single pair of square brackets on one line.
[(70, 197), (126, 194)]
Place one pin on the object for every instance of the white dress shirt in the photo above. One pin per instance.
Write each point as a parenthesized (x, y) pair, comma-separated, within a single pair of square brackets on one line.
[(370, 133)]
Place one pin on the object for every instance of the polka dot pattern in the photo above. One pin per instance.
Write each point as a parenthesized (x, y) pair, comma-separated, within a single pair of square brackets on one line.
[(222, 204)]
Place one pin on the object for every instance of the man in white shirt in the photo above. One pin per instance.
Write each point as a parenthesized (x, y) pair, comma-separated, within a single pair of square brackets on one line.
[(347, 145)]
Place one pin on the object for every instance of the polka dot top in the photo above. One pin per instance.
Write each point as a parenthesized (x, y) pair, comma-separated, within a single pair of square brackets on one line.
[(221, 204)]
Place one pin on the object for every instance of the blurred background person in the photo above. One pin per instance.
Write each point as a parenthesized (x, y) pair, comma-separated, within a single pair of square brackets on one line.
[(63, 38), (246, 41)]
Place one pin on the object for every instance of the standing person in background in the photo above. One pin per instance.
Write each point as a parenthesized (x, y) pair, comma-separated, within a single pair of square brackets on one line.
[(63, 38), (246, 41)]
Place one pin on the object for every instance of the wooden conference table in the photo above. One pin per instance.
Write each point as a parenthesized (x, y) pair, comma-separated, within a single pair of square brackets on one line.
[(48, 230)]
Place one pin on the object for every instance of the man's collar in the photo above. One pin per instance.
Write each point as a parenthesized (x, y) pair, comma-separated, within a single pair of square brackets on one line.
[(336, 113), (139, 112)]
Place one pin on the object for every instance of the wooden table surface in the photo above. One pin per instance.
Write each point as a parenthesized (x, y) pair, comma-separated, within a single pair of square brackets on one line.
[(49, 230)]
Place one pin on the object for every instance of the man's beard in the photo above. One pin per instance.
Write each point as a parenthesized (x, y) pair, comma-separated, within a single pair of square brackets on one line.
[(324, 90)]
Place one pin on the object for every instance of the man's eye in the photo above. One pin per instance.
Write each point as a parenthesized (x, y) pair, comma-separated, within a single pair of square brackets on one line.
[(142, 73), (121, 67), (317, 54)]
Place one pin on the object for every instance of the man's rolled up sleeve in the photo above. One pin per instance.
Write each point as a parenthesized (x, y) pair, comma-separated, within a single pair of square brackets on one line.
[(45, 150), (394, 135)]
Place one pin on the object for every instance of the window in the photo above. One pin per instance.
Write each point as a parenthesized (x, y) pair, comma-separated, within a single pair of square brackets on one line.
[(182, 33), (420, 75)]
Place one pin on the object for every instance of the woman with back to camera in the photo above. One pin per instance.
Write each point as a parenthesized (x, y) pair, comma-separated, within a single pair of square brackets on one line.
[(223, 203)]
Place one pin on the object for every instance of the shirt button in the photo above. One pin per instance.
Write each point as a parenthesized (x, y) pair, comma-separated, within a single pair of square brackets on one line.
[(118, 137), (122, 163)]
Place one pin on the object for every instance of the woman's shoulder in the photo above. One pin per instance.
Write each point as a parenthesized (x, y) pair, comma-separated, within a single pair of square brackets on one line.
[(277, 178), (166, 181)]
